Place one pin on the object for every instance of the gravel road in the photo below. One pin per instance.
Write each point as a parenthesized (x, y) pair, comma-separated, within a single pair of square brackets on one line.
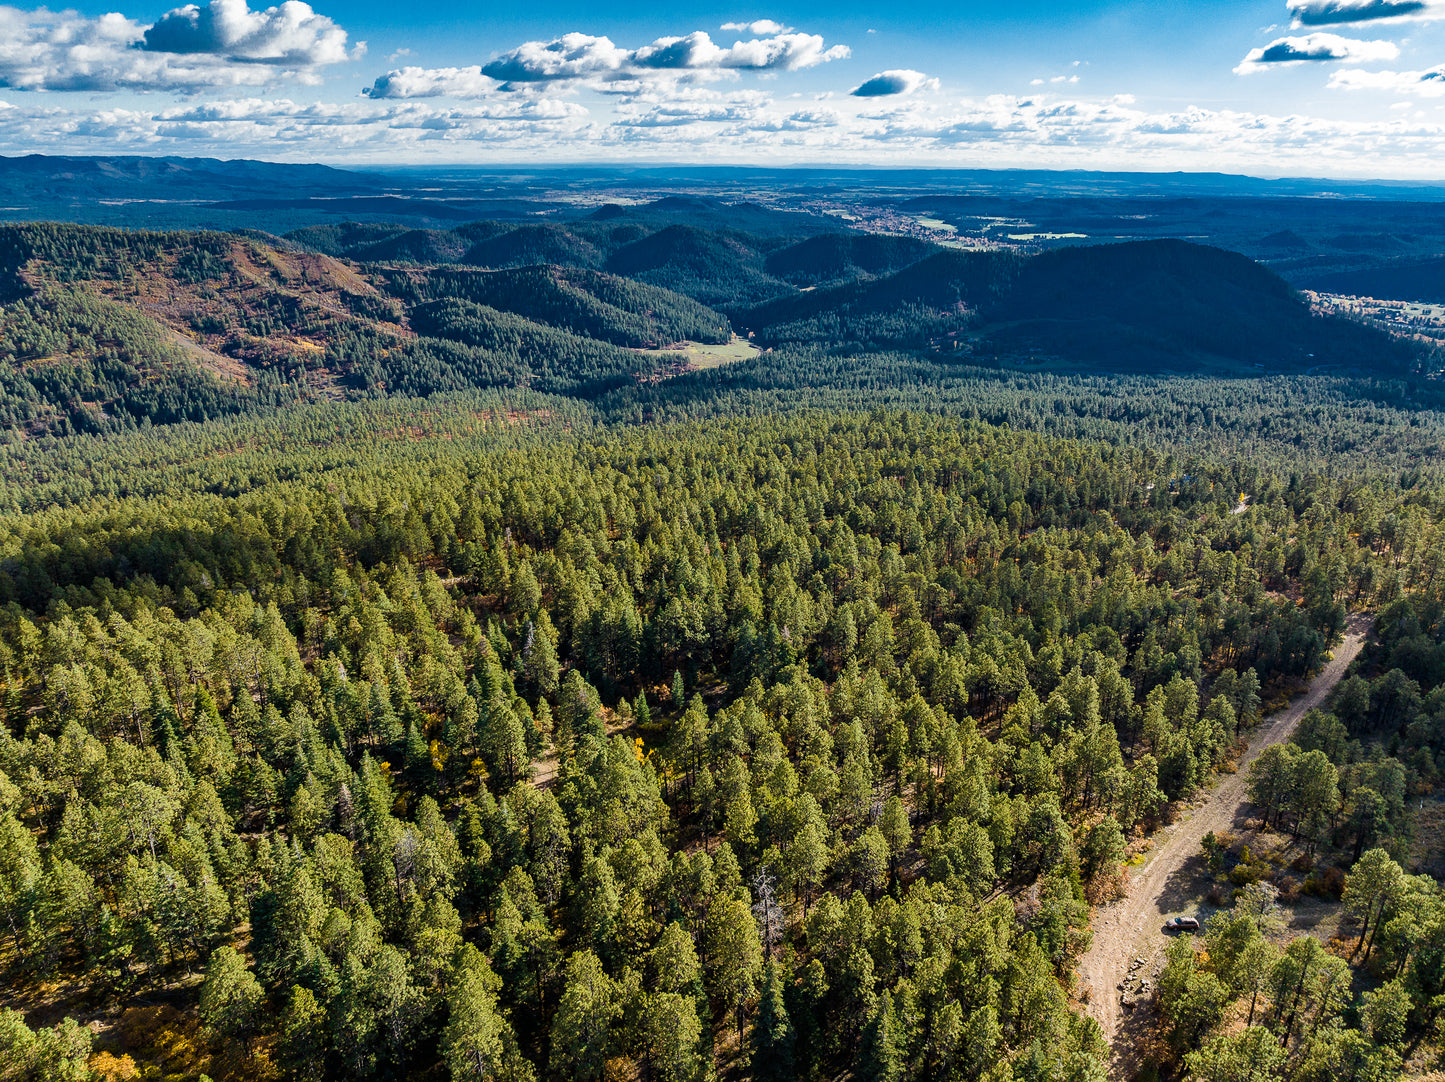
[(1132, 928)]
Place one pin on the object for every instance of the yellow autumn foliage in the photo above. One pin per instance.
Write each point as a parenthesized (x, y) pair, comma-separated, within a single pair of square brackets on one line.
[(113, 1069)]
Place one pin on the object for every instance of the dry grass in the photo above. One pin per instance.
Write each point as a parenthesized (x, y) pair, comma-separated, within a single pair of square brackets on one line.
[(699, 356), (706, 356), (208, 360), (165, 1042)]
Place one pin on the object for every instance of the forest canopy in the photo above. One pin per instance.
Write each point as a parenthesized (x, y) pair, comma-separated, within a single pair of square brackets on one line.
[(663, 744), (410, 668)]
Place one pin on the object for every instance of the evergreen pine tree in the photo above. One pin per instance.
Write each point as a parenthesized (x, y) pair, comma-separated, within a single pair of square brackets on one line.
[(772, 1033), (881, 1057)]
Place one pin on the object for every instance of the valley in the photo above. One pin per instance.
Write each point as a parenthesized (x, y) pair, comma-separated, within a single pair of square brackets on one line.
[(583, 310)]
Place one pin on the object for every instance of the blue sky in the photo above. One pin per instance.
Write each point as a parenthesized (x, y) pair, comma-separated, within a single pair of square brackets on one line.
[(1270, 87)]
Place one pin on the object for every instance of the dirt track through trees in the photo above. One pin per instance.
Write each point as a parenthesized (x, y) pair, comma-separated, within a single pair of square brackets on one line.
[(1133, 928)]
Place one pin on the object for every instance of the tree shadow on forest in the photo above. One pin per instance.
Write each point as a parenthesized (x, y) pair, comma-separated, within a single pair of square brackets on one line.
[(1133, 1040), (1187, 886)]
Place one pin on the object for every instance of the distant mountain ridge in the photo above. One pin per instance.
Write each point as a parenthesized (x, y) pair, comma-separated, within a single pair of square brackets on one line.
[(138, 176), (1311, 231), (722, 267)]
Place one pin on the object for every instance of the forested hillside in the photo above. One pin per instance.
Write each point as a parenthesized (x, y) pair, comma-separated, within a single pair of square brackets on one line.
[(921, 305), (1137, 306), (771, 747), (1424, 281), (103, 329), (412, 667), (584, 302), (106, 329), (1123, 307)]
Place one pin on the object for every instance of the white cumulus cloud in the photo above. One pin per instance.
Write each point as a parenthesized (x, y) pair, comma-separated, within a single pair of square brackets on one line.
[(899, 81), (307, 130), (223, 44), (432, 83), (784, 52), (290, 34), (664, 121), (572, 56), (1315, 48), (579, 57)]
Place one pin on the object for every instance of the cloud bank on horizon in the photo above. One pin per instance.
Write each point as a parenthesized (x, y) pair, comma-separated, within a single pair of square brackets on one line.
[(289, 81)]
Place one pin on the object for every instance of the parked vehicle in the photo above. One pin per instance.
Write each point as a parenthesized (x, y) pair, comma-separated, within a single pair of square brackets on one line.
[(1182, 924)]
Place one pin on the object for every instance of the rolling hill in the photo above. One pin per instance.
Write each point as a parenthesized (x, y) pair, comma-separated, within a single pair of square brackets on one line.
[(722, 255), (723, 270), (940, 294), (49, 178), (590, 303), (1137, 306), (1125, 307), (836, 257), (103, 327)]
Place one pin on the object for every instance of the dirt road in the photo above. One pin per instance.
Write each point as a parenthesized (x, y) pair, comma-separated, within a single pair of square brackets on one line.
[(1132, 928)]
